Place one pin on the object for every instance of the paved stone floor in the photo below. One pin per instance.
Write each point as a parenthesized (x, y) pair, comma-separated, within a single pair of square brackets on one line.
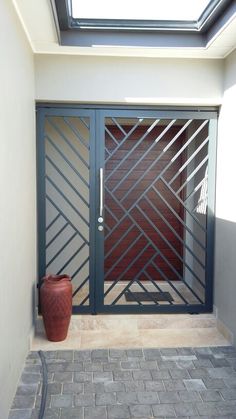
[(130, 383)]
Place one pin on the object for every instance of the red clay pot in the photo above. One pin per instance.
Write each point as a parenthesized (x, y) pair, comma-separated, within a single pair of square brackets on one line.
[(56, 306)]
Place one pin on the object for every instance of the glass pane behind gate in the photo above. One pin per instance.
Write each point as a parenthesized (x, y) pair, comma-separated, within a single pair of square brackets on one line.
[(155, 211), (67, 201)]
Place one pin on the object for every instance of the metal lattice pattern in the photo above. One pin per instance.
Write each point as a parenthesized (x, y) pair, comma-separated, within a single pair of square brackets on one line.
[(156, 174), (67, 201)]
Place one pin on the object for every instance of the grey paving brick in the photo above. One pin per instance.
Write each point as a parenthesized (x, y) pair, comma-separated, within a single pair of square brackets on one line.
[(226, 408), (54, 388), (84, 355), (24, 389), (203, 363), (99, 354), (169, 351), (189, 396), (93, 366), (87, 399), (228, 394), (118, 412), (185, 364), (129, 397), (62, 400), (203, 351), (172, 385), (168, 397), (161, 375), (166, 365), (72, 413), (142, 375), (23, 401), (152, 354), (111, 366), (230, 382), (214, 383), (136, 385), (30, 378), (65, 377), (220, 362), (147, 397), (34, 355), (185, 409), (105, 399), (38, 401), (199, 373), (72, 388), (224, 372), (148, 365), (48, 414), (32, 368), (130, 365), (94, 387), (74, 366), (163, 410), (185, 351), (179, 373), (208, 408), (20, 414), (140, 411), (154, 385), (122, 375), (114, 386), (98, 412), (194, 384), (134, 353), (66, 355), (56, 367), (101, 377), (82, 377), (210, 395), (118, 354)]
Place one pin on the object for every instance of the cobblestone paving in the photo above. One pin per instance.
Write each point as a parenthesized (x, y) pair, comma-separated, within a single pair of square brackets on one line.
[(135, 383)]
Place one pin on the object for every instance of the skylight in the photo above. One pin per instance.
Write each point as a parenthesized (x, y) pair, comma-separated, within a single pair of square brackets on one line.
[(171, 10)]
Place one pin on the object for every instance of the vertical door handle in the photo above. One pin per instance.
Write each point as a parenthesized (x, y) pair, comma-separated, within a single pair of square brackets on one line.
[(101, 191)]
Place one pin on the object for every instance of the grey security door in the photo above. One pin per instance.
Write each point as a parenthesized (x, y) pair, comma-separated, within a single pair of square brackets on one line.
[(126, 207)]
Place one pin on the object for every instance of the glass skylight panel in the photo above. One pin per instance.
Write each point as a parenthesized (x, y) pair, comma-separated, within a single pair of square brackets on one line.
[(189, 10)]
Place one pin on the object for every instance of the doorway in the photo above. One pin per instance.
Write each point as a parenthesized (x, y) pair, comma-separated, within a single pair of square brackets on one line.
[(126, 207)]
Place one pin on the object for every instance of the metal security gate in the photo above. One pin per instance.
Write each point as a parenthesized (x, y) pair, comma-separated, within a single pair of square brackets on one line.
[(126, 207)]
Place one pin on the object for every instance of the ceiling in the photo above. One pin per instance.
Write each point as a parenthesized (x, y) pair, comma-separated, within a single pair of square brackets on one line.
[(38, 22)]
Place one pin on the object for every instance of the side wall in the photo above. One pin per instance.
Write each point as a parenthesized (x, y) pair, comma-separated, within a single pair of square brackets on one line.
[(128, 80), (225, 242), (17, 203)]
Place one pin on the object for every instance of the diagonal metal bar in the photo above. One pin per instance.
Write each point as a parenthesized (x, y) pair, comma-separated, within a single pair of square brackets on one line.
[(166, 279), (123, 254), (189, 160), (107, 151), (68, 143), (61, 249), (193, 173), (77, 133), (134, 297), (53, 221), (133, 148), (80, 286), (202, 201), (67, 200), (157, 159), (133, 280), (147, 292), (126, 269), (85, 123), (170, 246), (84, 300), (67, 181), (175, 233), (117, 243), (179, 218), (112, 214), (119, 126), (80, 267), (57, 234), (184, 206), (154, 283), (67, 161), (196, 188), (111, 135), (125, 138), (71, 258), (67, 219), (159, 137)]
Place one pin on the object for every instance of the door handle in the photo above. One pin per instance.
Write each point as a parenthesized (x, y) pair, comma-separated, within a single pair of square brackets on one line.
[(101, 192)]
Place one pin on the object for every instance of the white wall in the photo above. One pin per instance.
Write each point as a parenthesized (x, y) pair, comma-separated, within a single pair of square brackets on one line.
[(225, 247), (17, 202), (128, 80)]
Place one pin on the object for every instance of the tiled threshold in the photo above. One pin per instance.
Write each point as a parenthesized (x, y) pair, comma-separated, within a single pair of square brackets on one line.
[(125, 331)]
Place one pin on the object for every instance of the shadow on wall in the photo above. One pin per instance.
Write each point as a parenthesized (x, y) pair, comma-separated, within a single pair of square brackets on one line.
[(225, 273)]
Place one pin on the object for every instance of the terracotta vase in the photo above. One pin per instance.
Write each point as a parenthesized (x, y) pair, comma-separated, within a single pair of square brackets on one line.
[(56, 306)]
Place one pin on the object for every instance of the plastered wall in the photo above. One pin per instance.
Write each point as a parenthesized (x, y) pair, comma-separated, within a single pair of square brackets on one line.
[(17, 202)]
